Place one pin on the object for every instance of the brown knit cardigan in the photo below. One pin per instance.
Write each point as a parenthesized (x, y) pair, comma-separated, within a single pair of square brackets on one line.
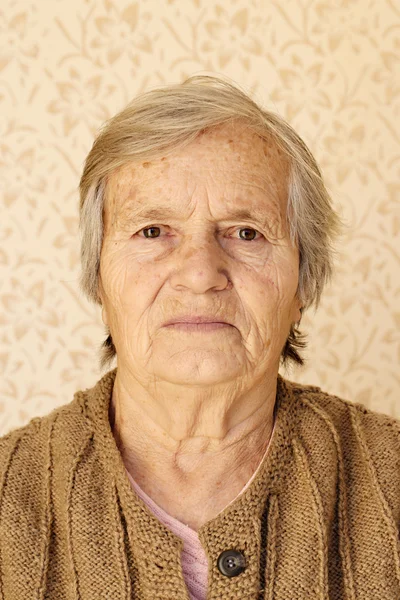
[(320, 521)]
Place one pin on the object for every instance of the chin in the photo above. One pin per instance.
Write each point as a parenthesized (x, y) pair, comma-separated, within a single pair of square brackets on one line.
[(198, 370)]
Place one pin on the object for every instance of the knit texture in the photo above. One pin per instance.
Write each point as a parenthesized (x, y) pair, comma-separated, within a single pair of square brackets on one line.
[(193, 558), (320, 521)]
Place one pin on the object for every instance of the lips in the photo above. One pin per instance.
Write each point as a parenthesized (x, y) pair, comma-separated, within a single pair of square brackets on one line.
[(195, 319)]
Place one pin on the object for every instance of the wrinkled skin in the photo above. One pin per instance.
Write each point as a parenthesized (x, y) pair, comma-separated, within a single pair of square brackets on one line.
[(193, 412)]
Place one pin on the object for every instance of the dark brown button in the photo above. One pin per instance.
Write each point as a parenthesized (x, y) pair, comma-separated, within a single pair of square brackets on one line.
[(231, 563)]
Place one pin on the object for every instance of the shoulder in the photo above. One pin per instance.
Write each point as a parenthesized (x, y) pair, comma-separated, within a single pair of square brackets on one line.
[(55, 438), (30, 435), (26, 452), (364, 442), (371, 427), (36, 462)]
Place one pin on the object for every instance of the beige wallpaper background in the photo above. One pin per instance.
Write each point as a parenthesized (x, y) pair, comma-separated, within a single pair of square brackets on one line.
[(330, 67)]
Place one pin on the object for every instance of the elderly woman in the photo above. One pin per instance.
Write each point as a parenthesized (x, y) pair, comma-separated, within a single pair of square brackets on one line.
[(194, 469)]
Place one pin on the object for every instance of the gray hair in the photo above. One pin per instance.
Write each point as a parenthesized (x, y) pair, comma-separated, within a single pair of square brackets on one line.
[(168, 118)]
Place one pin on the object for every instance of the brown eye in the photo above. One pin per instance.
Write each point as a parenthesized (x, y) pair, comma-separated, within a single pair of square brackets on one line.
[(151, 229), (248, 236)]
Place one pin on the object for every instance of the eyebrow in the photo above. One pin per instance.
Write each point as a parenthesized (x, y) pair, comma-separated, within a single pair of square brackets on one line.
[(158, 214)]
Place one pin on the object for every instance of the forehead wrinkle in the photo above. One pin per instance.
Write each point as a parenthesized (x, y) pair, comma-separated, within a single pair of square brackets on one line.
[(140, 196), (237, 208), (128, 184)]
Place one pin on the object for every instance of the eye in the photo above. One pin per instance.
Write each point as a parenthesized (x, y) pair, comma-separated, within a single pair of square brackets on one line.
[(151, 229), (253, 233), (154, 231)]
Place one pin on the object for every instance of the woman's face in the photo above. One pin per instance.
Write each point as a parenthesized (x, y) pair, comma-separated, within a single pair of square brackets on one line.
[(192, 254)]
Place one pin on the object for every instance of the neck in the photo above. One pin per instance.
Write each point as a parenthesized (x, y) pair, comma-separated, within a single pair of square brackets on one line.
[(192, 453)]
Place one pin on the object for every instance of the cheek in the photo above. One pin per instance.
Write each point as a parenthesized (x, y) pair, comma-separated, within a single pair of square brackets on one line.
[(113, 274), (128, 284), (275, 286), (267, 295)]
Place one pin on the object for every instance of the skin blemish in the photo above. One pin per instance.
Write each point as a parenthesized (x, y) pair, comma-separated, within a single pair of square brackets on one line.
[(146, 165)]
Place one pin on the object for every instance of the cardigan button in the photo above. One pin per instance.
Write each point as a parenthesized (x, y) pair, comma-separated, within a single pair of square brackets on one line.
[(231, 563)]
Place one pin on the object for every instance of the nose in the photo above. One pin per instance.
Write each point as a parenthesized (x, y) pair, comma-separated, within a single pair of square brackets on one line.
[(201, 266)]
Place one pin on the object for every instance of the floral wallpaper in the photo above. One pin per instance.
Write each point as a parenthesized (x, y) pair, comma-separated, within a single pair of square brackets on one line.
[(330, 67)]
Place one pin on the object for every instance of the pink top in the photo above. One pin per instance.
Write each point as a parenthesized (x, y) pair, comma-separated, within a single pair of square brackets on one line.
[(194, 559)]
